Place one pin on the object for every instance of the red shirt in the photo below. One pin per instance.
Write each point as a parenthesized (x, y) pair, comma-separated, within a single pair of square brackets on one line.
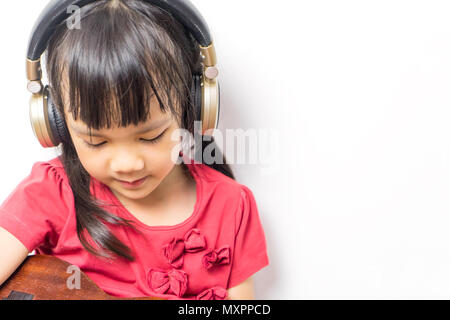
[(220, 245)]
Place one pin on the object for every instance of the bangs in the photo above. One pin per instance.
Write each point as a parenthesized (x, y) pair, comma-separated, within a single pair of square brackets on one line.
[(117, 65)]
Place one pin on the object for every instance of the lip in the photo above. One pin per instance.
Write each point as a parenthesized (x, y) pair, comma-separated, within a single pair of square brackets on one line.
[(134, 184)]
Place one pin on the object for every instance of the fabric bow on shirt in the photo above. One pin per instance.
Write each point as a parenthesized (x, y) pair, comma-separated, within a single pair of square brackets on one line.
[(174, 281), (174, 251), (216, 257), (215, 293)]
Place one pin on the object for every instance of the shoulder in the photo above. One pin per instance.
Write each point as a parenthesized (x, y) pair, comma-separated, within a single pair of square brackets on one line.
[(49, 172), (220, 183), (55, 162), (38, 208), (235, 198), (46, 180)]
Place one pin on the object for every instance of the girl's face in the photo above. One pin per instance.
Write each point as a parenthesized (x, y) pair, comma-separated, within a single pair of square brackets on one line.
[(123, 154)]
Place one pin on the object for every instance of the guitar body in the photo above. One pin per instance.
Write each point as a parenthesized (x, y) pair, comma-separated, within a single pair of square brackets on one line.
[(42, 277)]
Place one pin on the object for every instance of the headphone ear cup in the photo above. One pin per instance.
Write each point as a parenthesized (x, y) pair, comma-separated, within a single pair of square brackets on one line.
[(57, 122), (196, 96)]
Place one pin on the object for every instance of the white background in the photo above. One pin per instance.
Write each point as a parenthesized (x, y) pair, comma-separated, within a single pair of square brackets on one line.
[(357, 205)]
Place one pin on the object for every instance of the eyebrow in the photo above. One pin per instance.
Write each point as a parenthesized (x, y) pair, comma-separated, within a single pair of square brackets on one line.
[(154, 125)]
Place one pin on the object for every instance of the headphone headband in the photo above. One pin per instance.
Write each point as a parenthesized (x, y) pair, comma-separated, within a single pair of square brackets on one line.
[(56, 11)]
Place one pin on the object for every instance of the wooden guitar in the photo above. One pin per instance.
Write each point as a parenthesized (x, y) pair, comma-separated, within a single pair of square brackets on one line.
[(42, 277)]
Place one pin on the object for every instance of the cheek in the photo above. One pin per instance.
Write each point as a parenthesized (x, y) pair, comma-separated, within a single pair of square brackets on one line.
[(173, 141), (93, 164), (82, 155), (159, 158)]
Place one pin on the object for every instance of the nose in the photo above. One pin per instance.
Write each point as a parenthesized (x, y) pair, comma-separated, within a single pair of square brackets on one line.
[(127, 162)]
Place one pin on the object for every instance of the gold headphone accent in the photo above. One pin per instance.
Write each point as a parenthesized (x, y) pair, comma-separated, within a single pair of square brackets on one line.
[(210, 90), (209, 55), (33, 69), (210, 105), (39, 119), (34, 76)]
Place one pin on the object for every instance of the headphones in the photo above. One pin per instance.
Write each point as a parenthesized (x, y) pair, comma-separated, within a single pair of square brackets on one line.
[(49, 125)]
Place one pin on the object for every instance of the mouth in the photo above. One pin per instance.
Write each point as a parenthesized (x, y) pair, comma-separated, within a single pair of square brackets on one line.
[(133, 184), (133, 181)]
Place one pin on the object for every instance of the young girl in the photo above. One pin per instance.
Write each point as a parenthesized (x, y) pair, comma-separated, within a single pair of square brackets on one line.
[(183, 231)]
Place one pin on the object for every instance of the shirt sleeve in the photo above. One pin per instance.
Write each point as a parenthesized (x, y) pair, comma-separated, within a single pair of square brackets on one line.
[(36, 210), (250, 251)]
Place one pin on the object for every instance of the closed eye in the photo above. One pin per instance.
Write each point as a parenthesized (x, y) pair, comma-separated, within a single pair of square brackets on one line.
[(154, 140)]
